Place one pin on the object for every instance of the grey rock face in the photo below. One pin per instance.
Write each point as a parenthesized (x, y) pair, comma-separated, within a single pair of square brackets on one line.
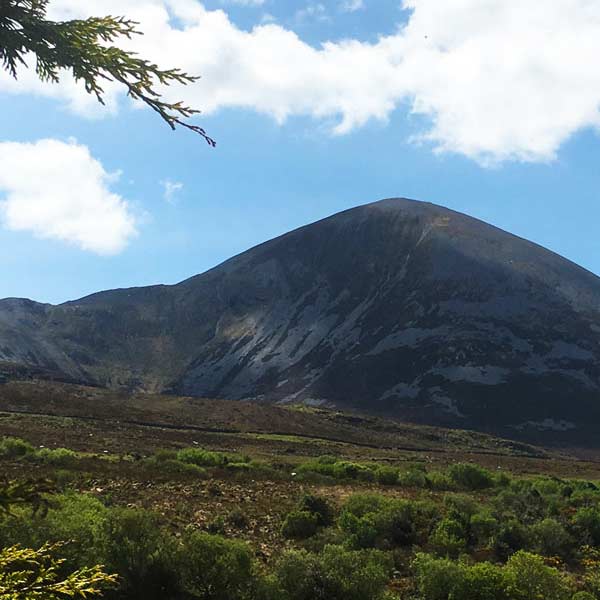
[(397, 307)]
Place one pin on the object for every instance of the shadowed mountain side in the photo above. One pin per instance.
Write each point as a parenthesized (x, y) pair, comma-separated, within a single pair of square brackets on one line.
[(396, 307)]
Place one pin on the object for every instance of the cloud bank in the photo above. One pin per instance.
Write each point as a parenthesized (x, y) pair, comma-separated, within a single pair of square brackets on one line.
[(58, 190), (496, 79)]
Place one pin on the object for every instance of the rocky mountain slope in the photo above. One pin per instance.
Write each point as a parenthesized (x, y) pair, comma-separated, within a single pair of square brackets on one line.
[(396, 307)]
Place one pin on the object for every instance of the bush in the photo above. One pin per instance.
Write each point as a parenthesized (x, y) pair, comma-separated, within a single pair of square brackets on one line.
[(238, 518), (482, 581), (511, 537), (328, 466), (528, 578), (11, 447), (524, 577), (299, 524), (583, 596), (414, 477), (551, 538), (371, 521), (60, 457), (202, 458), (335, 574), (79, 518), (436, 578), (586, 522), (214, 568), (318, 506), (471, 477), (483, 528), (175, 467), (448, 538), (386, 475), (441, 481), (141, 553)]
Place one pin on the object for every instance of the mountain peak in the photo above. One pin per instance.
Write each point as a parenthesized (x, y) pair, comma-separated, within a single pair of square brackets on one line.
[(398, 307)]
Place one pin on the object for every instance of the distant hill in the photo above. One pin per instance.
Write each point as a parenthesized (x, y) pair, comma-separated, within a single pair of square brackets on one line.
[(396, 307)]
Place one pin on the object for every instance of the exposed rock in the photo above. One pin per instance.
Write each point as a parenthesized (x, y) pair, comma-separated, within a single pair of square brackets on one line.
[(397, 307)]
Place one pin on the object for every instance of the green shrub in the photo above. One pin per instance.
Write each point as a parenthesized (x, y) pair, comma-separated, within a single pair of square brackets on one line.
[(238, 519), (213, 568), (583, 596), (448, 538), (483, 527), (482, 581), (372, 520), (60, 457), (328, 466), (441, 481), (335, 574), (470, 476), (524, 577), (586, 522), (164, 454), (202, 458), (76, 518), (528, 578), (176, 467), (216, 526), (143, 555), (318, 506), (386, 475), (511, 537), (414, 477), (299, 524), (551, 538), (436, 578), (11, 447)]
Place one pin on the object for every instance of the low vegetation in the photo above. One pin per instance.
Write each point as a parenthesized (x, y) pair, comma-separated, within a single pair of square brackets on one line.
[(327, 528)]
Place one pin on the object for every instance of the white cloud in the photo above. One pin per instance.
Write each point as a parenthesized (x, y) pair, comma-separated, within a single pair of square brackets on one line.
[(244, 2), (497, 79), (58, 190), (313, 11), (170, 189), (352, 5)]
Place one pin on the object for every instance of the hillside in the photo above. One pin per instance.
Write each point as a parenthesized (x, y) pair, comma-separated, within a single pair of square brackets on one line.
[(396, 307)]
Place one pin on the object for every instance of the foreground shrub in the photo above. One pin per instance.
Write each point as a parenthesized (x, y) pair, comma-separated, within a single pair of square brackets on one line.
[(335, 574), (214, 568), (524, 577), (529, 578), (299, 524), (141, 553), (436, 578), (30, 574)]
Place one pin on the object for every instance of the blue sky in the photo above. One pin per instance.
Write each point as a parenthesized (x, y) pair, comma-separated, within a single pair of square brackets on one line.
[(271, 173)]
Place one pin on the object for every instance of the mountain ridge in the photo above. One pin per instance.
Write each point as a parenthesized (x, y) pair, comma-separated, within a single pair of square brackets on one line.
[(397, 307)]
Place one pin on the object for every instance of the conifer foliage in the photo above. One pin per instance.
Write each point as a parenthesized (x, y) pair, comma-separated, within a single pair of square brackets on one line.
[(85, 48)]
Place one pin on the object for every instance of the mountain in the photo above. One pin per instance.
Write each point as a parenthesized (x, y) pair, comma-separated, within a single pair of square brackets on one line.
[(397, 307)]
